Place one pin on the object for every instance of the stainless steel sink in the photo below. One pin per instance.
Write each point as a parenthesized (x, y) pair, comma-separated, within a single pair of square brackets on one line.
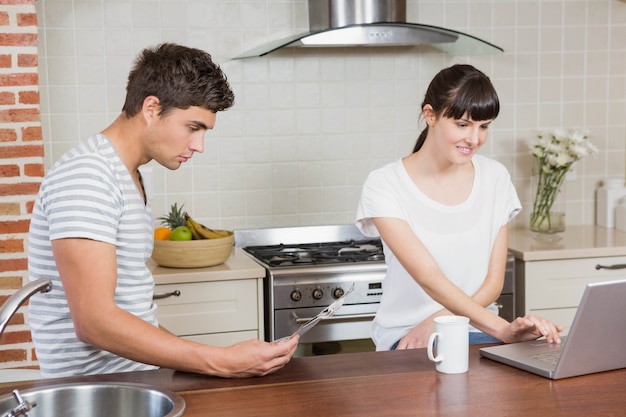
[(94, 400)]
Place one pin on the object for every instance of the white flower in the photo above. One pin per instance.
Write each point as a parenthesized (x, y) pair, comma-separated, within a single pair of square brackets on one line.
[(555, 152), (561, 147)]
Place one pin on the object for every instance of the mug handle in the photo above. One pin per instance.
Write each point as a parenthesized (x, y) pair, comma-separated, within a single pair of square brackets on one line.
[(431, 341)]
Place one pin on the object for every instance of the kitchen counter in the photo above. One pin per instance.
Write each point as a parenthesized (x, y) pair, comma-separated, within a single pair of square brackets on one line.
[(238, 266), (577, 242), (550, 277), (396, 383), (219, 305)]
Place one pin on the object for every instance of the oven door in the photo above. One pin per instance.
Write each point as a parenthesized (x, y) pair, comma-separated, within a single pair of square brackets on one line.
[(351, 322)]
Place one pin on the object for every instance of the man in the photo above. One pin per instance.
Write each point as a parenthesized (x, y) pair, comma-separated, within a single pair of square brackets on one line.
[(92, 232)]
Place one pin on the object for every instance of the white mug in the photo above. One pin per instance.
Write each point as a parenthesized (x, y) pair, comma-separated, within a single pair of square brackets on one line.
[(451, 338)]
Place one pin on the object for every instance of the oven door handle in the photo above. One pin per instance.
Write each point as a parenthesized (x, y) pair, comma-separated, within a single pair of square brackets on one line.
[(336, 318)]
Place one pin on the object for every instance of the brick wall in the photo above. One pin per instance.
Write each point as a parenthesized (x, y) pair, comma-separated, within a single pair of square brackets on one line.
[(21, 164)]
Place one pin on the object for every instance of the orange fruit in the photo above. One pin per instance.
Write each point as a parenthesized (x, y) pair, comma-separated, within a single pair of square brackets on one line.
[(162, 233)]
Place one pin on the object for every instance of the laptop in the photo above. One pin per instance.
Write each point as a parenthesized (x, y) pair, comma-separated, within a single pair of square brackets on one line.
[(596, 341)]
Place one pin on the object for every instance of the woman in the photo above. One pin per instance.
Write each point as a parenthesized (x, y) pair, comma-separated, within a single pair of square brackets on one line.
[(442, 214)]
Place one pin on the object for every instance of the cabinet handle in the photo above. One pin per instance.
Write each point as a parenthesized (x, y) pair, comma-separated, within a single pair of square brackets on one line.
[(616, 266), (175, 293)]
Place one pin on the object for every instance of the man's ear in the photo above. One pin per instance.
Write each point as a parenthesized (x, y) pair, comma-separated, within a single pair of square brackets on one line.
[(151, 107)]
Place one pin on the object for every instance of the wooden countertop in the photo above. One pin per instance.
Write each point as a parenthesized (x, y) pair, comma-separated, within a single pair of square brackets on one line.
[(398, 383), (238, 266), (577, 242)]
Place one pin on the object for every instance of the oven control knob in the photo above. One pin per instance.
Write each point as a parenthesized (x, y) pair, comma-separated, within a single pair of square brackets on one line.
[(338, 292), (318, 293), (296, 295)]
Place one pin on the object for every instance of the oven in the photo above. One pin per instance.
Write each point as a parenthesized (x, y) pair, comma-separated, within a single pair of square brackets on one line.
[(297, 300), (307, 268)]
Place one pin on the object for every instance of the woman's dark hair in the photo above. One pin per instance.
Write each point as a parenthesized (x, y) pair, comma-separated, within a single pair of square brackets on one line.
[(180, 77), (460, 91)]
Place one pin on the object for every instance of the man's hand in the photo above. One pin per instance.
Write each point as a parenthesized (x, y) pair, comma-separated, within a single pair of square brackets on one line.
[(256, 358)]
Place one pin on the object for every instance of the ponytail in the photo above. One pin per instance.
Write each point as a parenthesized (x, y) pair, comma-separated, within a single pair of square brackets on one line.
[(421, 139)]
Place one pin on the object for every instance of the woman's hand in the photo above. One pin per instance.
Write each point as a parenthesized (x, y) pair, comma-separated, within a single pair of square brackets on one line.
[(418, 336), (530, 328)]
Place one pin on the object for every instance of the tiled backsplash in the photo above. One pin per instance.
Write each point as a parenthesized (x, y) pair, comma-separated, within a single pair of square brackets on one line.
[(308, 125)]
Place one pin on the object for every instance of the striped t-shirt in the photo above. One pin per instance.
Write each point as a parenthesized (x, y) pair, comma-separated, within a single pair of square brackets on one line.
[(89, 194)]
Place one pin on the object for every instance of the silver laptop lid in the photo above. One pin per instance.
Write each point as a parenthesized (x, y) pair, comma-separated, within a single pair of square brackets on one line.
[(597, 338), (595, 342)]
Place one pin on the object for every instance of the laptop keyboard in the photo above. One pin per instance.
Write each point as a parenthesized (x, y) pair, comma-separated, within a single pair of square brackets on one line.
[(550, 358)]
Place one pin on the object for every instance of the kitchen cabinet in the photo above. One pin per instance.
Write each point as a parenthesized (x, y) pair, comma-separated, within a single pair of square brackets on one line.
[(551, 277), (219, 305), (553, 288), (218, 313)]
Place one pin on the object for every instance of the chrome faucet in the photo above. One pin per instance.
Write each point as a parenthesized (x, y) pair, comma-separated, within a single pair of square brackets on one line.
[(22, 408), (14, 302), (7, 311)]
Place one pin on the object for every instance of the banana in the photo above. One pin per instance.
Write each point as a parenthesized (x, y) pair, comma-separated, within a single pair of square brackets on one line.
[(196, 235), (193, 226), (207, 233), (203, 231), (220, 233), (223, 233)]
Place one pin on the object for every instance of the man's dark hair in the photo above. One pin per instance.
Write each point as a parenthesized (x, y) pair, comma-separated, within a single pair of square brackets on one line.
[(181, 77)]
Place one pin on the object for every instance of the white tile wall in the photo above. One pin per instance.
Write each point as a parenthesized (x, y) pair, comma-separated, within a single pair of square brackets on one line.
[(308, 126)]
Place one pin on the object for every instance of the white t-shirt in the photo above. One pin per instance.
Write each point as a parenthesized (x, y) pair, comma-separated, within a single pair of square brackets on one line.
[(89, 194), (460, 238)]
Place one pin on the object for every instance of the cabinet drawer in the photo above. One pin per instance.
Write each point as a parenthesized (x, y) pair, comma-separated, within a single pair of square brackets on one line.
[(560, 284), (209, 307)]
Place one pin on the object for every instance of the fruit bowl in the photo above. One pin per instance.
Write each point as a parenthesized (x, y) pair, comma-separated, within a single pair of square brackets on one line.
[(193, 253)]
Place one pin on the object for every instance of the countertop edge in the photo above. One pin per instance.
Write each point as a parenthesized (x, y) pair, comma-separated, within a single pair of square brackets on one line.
[(578, 241), (562, 254), (238, 266)]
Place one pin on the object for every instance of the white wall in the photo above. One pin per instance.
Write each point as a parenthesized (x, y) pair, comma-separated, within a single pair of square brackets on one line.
[(308, 126)]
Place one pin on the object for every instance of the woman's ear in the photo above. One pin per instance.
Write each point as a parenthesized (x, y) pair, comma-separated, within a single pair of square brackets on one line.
[(429, 114)]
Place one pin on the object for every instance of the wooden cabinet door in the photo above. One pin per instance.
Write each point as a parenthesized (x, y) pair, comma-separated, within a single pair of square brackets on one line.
[(209, 307)]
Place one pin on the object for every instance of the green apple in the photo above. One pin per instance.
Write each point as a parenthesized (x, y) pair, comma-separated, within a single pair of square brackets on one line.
[(181, 233)]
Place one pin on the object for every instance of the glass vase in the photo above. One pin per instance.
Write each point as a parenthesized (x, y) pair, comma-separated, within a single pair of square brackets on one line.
[(547, 218)]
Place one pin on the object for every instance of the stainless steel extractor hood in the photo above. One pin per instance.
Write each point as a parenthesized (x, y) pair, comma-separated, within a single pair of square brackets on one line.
[(347, 23)]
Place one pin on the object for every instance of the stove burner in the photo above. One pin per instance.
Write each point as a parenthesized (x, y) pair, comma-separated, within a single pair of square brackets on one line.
[(318, 253)]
